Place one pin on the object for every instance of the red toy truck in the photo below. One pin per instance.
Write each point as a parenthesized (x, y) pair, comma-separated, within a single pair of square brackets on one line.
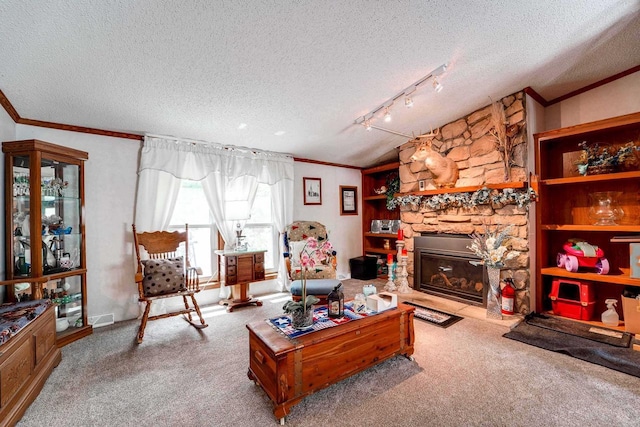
[(582, 254)]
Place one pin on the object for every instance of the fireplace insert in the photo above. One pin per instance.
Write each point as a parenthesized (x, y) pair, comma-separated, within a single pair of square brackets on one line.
[(444, 266)]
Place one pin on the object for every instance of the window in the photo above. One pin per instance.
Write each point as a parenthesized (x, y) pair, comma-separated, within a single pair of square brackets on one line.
[(260, 231), (191, 208)]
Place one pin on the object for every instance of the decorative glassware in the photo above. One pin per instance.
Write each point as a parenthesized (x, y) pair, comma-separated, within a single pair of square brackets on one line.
[(302, 319), (604, 208), (360, 303)]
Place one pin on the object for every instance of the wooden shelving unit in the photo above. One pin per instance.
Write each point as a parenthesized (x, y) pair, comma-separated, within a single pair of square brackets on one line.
[(563, 209), (374, 206)]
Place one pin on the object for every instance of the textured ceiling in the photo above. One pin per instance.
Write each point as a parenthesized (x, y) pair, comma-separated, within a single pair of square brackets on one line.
[(299, 73)]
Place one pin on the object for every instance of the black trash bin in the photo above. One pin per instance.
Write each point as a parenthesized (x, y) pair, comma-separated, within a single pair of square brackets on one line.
[(364, 267)]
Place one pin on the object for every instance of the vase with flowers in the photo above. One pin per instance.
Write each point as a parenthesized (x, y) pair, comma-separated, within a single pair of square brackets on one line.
[(494, 250), (312, 253)]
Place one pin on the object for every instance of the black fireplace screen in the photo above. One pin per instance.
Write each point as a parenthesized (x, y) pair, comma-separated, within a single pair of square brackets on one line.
[(446, 267)]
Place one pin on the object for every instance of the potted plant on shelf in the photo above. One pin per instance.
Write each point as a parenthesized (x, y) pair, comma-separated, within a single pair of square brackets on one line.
[(392, 187), (596, 159), (302, 311)]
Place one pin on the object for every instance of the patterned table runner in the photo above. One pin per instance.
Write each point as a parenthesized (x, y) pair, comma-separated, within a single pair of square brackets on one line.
[(321, 320)]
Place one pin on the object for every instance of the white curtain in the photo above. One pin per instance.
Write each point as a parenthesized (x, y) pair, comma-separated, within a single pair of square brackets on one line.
[(282, 215), (228, 174), (157, 195)]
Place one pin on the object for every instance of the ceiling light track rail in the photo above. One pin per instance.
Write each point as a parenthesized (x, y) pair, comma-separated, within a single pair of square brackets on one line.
[(405, 92)]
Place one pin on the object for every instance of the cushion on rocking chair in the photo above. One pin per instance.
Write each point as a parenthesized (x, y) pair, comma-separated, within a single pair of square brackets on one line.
[(163, 276)]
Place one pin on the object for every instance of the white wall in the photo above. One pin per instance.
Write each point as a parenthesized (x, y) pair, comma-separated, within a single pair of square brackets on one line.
[(617, 98), (345, 231)]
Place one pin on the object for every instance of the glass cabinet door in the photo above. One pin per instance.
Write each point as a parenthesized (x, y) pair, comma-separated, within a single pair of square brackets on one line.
[(60, 216), (21, 213)]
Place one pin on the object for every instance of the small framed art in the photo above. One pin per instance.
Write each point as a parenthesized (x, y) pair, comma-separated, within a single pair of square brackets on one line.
[(312, 191), (348, 200)]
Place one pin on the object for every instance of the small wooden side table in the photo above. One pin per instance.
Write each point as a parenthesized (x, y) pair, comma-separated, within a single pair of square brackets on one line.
[(238, 269)]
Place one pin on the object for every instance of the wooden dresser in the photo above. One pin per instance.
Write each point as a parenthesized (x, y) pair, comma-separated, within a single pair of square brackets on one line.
[(26, 361), (290, 369), (238, 269)]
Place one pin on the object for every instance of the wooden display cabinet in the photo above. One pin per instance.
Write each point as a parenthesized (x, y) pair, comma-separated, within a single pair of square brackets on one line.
[(565, 199), (44, 229), (374, 206)]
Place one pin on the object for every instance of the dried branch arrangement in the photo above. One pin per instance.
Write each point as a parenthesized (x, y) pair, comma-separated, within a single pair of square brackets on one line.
[(504, 142)]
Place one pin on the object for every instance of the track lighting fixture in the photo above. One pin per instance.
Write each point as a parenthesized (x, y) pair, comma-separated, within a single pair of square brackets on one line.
[(436, 85), (387, 114), (367, 119), (408, 101)]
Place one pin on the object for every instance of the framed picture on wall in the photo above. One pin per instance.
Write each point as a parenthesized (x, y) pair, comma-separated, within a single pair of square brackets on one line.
[(348, 200), (312, 191)]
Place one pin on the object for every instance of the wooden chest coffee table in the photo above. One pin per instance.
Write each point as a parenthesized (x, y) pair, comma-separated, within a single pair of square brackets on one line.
[(290, 369)]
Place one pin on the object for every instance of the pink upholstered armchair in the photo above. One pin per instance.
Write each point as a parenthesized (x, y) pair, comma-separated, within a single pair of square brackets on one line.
[(296, 237)]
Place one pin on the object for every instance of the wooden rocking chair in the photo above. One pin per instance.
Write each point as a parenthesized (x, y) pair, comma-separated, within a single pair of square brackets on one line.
[(165, 274)]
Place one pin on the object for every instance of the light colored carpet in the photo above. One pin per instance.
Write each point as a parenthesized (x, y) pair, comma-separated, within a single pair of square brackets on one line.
[(464, 375)]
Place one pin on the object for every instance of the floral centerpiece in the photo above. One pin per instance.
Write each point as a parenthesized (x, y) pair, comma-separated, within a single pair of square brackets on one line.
[(494, 251), (492, 247), (312, 253)]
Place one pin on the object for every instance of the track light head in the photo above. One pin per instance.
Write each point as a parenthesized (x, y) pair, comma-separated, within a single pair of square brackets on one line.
[(436, 85), (408, 101), (387, 114)]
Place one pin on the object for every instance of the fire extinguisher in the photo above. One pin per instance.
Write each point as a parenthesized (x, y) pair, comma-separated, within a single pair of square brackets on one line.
[(508, 297)]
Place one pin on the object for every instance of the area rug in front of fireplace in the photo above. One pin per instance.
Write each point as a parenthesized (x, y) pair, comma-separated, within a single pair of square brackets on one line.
[(621, 359), (435, 317)]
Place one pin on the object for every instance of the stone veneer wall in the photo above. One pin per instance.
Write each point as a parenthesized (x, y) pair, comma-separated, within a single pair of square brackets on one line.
[(469, 143)]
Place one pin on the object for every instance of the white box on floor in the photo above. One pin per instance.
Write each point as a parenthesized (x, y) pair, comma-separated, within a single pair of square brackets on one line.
[(382, 301)]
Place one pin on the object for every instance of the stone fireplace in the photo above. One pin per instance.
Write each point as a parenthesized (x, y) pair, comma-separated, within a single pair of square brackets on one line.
[(470, 142)]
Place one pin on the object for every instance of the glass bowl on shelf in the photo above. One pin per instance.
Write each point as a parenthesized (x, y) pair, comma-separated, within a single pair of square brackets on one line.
[(604, 209)]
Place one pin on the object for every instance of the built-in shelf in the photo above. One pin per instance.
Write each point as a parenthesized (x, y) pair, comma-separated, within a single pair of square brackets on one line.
[(585, 227), (380, 250), (620, 278), (564, 205), (468, 189), (592, 178), (374, 207), (594, 323), (383, 235)]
